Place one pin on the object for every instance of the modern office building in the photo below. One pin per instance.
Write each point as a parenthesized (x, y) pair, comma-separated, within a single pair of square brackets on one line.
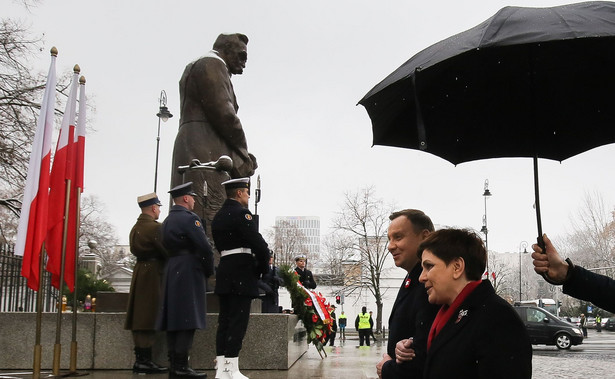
[(308, 226)]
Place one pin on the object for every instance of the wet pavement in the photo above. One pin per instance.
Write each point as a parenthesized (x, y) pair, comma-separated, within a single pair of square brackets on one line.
[(594, 358)]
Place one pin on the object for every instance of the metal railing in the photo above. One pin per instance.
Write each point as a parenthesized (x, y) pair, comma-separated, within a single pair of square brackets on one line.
[(15, 295)]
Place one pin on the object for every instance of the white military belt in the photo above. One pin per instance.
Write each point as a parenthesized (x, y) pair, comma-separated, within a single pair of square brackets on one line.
[(239, 250)]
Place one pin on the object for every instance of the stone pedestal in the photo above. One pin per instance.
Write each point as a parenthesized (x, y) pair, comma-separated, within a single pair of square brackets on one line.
[(272, 342)]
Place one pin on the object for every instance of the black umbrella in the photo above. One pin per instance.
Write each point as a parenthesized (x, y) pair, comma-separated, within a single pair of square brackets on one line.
[(528, 82)]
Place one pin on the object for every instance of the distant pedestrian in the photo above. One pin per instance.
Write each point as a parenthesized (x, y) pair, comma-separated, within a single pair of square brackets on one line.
[(343, 320), (331, 337), (371, 324), (270, 284), (583, 324), (363, 326), (598, 324)]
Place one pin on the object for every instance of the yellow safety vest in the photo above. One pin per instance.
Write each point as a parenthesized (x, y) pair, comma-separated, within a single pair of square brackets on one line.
[(364, 321)]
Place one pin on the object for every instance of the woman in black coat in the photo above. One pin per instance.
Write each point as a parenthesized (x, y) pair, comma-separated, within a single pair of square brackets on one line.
[(476, 333)]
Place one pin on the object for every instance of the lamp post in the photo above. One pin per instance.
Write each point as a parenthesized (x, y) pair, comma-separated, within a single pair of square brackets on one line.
[(484, 229), (163, 114), (523, 245)]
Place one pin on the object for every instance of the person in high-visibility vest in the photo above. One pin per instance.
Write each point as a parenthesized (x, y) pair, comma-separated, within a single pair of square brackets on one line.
[(363, 326)]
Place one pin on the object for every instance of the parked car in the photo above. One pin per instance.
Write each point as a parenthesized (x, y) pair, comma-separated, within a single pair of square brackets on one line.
[(609, 323), (545, 328)]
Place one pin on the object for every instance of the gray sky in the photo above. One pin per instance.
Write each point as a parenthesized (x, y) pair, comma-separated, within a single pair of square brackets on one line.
[(309, 63)]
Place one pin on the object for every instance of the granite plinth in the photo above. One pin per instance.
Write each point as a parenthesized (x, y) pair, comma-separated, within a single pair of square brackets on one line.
[(272, 342)]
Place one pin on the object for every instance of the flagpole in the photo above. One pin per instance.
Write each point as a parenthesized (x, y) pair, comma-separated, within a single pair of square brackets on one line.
[(73, 344), (57, 348), (36, 369), (79, 184)]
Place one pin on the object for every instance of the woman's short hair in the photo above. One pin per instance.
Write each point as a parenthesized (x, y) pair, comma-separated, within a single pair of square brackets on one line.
[(448, 244)]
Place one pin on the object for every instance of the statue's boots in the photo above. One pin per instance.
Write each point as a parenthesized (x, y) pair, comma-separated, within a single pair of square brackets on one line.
[(144, 363), (181, 369)]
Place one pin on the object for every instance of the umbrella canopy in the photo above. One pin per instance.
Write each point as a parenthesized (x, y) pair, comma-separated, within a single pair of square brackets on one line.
[(527, 82)]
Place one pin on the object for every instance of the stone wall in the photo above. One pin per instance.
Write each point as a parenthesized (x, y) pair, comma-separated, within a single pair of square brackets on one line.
[(272, 342)]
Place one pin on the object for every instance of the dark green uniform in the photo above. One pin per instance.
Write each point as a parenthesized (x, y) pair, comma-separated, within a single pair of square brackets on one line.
[(145, 288)]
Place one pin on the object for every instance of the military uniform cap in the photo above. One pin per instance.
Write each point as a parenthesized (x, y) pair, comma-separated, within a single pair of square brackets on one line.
[(300, 256), (237, 183), (182, 189), (147, 200)]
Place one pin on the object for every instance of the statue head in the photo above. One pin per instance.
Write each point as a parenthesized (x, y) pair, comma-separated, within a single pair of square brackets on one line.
[(233, 49)]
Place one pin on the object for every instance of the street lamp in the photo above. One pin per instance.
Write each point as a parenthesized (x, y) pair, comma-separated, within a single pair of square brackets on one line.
[(523, 245), (163, 114), (484, 229)]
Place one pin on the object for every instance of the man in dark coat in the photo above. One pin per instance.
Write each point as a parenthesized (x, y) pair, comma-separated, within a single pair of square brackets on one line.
[(209, 126), (305, 276), (143, 301), (190, 263), (412, 314), (244, 257), (270, 283)]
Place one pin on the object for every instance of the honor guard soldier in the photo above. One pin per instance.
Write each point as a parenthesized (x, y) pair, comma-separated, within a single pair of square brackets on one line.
[(145, 287), (305, 276), (190, 263), (244, 256)]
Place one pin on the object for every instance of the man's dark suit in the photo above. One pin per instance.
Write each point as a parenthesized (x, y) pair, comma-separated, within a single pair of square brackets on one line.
[(411, 316)]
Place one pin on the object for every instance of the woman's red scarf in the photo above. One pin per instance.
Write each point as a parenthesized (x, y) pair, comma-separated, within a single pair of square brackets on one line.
[(446, 311)]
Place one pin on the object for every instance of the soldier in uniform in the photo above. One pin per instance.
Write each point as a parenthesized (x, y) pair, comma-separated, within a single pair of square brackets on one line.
[(244, 257), (305, 276), (146, 245), (190, 263)]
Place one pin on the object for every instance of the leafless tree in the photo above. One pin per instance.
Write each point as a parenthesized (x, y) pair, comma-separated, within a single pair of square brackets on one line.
[(9, 219), (501, 276), (592, 240), (288, 242), (94, 226), (21, 92), (361, 225)]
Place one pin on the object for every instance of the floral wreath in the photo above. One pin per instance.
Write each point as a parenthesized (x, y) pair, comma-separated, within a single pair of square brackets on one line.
[(310, 307)]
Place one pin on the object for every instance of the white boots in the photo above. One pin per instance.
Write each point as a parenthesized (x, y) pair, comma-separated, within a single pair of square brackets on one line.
[(228, 368), (220, 374)]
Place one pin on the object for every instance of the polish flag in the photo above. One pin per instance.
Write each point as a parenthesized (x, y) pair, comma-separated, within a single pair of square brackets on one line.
[(74, 213), (62, 171), (33, 221)]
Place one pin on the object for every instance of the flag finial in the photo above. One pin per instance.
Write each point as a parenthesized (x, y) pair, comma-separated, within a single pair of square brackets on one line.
[(76, 69), (82, 80), (54, 51)]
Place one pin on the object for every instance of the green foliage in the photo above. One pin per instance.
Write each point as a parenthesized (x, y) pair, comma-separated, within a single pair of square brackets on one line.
[(316, 329), (87, 284)]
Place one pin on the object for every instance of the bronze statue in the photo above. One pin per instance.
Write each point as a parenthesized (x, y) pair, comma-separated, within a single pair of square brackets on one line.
[(209, 126)]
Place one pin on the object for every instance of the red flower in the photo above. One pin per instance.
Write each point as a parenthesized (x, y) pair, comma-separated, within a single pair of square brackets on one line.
[(308, 302), (314, 317)]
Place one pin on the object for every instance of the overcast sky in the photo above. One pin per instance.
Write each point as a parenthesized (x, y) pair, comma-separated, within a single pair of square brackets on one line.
[(309, 63)]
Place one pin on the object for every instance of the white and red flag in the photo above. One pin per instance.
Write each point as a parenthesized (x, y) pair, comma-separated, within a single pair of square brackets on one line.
[(62, 172), (33, 220)]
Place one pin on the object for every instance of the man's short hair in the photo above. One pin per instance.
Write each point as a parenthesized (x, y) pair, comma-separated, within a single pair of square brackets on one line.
[(420, 221), (448, 244)]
